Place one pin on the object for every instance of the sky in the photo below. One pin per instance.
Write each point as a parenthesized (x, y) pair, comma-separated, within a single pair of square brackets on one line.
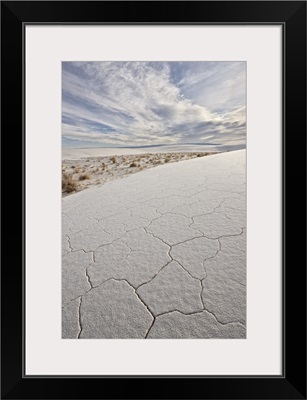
[(126, 104)]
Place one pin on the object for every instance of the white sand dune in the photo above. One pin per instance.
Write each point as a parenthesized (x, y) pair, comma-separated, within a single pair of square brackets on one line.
[(159, 254)]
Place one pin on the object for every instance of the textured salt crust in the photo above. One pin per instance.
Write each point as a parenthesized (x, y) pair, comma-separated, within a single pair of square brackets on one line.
[(160, 254)]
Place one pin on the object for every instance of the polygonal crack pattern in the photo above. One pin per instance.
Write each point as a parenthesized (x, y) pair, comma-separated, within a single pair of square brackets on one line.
[(113, 310), (193, 253), (160, 254), (172, 289)]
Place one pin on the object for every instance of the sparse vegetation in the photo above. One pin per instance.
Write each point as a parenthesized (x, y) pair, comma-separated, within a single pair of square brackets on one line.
[(99, 170), (68, 184), (83, 177)]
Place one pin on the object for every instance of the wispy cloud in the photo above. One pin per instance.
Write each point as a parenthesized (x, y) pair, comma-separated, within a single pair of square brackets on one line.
[(148, 103)]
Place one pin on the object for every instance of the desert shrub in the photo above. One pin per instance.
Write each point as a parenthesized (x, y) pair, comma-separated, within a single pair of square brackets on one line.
[(83, 177), (68, 184), (113, 159), (133, 164)]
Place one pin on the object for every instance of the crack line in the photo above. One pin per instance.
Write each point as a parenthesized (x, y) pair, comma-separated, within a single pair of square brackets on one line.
[(200, 312), (69, 244), (88, 277), (147, 333), (79, 318)]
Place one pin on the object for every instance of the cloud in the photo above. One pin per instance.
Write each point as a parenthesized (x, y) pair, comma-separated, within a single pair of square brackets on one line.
[(218, 86), (147, 103)]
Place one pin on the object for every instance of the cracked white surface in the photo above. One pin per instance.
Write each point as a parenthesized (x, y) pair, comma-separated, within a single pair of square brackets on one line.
[(70, 320), (112, 310), (225, 285), (203, 325), (160, 254), (193, 253), (74, 280), (172, 228), (216, 225), (128, 258), (172, 289)]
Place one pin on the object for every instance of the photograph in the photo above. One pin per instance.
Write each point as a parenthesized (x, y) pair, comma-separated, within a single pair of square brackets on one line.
[(157, 149), (154, 200)]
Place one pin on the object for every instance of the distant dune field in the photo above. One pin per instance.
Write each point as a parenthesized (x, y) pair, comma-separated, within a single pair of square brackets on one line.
[(74, 154)]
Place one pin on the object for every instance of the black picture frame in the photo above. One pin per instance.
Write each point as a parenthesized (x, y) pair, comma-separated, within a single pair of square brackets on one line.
[(292, 16)]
